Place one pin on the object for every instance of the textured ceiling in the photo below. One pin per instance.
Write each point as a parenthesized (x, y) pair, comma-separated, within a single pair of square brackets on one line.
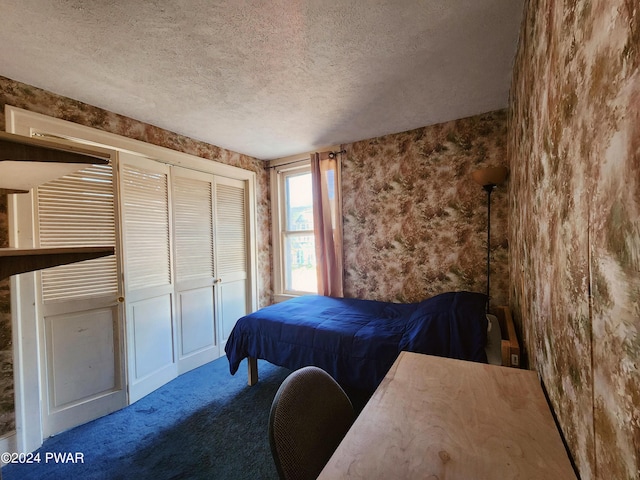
[(268, 78)]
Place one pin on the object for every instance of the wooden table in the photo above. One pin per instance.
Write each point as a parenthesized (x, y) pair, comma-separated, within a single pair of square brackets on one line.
[(438, 418)]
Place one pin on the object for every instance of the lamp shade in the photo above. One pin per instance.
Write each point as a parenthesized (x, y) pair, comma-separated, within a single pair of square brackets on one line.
[(490, 175)]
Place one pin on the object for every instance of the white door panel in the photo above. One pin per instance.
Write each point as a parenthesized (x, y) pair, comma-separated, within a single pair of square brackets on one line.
[(233, 306), (231, 254), (79, 345), (194, 241), (146, 218), (81, 318), (198, 339), (151, 345), (196, 320)]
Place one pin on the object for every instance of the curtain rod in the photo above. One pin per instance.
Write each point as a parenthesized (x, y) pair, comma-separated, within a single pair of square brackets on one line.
[(332, 154)]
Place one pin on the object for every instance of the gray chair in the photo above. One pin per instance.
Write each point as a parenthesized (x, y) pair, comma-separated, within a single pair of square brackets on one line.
[(310, 415)]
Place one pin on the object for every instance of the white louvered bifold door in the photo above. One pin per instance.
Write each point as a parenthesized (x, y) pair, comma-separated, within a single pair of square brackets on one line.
[(192, 201), (78, 307), (78, 211), (144, 186), (231, 253)]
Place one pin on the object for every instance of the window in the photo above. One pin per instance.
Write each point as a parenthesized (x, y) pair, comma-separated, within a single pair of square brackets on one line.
[(294, 249), (297, 236), (294, 244)]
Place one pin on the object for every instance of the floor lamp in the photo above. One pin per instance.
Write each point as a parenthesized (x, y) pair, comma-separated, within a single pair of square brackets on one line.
[(489, 178)]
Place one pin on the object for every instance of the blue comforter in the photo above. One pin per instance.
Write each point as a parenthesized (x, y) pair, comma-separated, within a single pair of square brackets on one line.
[(357, 341)]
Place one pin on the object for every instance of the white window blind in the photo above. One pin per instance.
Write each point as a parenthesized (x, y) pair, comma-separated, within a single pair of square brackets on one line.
[(231, 231), (146, 227), (77, 210), (193, 219)]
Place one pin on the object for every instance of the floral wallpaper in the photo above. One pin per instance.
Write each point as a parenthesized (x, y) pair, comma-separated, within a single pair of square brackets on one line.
[(415, 222), (574, 230), (7, 417), (30, 98)]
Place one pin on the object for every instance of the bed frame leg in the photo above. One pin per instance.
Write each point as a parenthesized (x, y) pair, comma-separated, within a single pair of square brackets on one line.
[(252, 363)]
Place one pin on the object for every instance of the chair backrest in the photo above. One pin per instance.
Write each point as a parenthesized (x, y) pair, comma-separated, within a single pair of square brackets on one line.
[(310, 415)]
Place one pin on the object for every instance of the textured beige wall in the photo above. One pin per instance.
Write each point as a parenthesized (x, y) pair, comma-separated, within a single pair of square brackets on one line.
[(574, 152), (414, 220)]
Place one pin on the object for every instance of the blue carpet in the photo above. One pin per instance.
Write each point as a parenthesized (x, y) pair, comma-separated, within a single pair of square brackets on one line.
[(203, 424)]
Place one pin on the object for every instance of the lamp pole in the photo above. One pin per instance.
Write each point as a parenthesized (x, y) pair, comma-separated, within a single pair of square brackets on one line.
[(489, 178)]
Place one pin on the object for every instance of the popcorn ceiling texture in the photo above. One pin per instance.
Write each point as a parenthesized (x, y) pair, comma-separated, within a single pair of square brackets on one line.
[(414, 220), (269, 78), (574, 152)]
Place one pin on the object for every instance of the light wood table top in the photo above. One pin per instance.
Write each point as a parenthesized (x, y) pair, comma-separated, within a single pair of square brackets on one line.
[(438, 418)]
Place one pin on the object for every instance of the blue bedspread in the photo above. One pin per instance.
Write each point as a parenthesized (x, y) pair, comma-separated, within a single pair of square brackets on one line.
[(357, 341)]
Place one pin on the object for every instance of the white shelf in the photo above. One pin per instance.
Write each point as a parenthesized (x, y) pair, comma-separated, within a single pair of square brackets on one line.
[(22, 260), (27, 162)]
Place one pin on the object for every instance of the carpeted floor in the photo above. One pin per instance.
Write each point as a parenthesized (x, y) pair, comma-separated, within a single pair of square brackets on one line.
[(204, 424)]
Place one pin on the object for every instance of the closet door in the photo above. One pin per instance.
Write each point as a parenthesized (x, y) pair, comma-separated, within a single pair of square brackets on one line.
[(148, 277), (192, 200), (231, 254), (79, 315)]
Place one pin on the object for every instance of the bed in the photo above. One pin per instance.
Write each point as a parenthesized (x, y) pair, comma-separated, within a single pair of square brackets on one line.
[(357, 341)]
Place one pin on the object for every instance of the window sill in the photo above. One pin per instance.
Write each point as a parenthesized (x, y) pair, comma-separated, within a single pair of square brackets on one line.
[(282, 297)]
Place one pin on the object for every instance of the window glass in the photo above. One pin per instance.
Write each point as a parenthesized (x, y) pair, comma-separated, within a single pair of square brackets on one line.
[(299, 202), (300, 263), (299, 256)]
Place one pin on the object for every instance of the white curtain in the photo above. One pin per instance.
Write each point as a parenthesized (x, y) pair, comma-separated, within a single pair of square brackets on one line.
[(327, 223)]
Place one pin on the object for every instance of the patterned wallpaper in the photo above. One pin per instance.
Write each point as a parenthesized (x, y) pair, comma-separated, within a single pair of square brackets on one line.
[(7, 417), (415, 221), (574, 154)]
